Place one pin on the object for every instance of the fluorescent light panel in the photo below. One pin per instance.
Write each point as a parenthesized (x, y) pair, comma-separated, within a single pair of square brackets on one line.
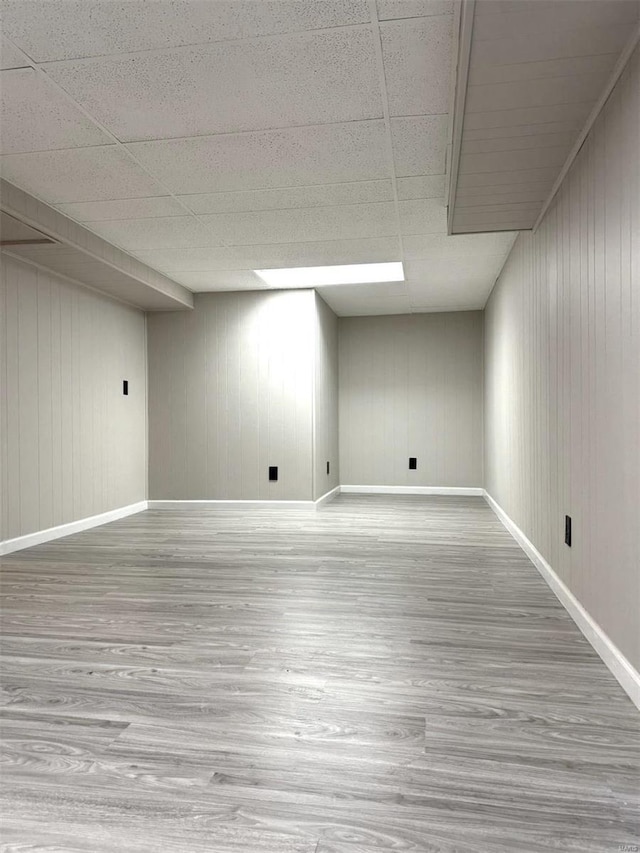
[(339, 274)]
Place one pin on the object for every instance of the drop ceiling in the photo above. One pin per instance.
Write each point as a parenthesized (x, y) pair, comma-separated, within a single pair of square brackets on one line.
[(209, 138)]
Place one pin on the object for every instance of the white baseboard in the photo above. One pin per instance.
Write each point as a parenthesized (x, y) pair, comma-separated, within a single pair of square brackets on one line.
[(230, 505), (621, 668), (246, 504), (410, 490), (328, 496), (51, 533)]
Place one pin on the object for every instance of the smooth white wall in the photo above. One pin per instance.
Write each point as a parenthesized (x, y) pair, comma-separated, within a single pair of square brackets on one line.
[(231, 393), (325, 413), (72, 445), (563, 375), (411, 385)]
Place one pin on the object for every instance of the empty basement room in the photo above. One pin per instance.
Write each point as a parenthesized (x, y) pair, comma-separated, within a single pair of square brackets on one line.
[(320, 426)]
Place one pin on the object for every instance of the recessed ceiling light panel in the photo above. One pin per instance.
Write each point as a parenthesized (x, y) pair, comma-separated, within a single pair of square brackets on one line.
[(338, 274)]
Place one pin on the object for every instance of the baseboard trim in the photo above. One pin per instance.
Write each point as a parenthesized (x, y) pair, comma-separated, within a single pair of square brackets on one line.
[(411, 490), (620, 667), (246, 504), (231, 505), (51, 533), (328, 496)]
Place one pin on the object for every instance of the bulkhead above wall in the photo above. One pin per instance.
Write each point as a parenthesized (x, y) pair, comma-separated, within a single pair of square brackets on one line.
[(36, 233)]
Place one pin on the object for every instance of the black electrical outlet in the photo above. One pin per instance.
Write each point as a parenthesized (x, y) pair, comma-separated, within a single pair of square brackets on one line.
[(273, 472), (567, 530), (413, 463), (125, 387), (328, 467)]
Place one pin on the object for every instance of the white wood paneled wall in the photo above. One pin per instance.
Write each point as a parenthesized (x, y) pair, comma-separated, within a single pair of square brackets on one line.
[(231, 393), (325, 412), (563, 375), (411, 385), (72, 445)]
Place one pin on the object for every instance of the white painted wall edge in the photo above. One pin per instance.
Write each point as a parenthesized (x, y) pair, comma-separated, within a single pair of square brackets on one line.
[(621, 668), (51, 533), (411, 490)]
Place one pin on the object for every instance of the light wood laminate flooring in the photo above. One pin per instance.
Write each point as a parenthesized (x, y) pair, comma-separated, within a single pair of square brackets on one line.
[(385, 674)]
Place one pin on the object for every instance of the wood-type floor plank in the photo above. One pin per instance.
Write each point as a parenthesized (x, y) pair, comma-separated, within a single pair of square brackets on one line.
[(385, 674)]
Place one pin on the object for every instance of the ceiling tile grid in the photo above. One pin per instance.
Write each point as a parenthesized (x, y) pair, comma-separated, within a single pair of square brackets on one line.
[(71, 29), (138, 208), (100, 173), (269, 255), (212, 139), (10, 57), (287, 198), (297, 156), (33, 117), (283, 81)]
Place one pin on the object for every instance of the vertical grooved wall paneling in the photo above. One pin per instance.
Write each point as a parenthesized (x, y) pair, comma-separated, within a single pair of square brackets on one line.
[(411, 385), (326, 401), (231, 393), (72, 445), (563, 374)]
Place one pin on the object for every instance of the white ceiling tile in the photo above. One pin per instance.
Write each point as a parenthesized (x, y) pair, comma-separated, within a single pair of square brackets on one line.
[(445, 299), (421, 186), (423, 216), (303, 224), (363, 303), (370, 250), (454, 247), (335, 153), (34, 116), (292, 80), (154, 233), (438, 285), (66, 29), (196, 259), (290, 197), (417, 56), (9, 56), (216, 280), (419, 144), (378, 289), (413, 8), (79, 174), (442, 271), (123, 208)]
